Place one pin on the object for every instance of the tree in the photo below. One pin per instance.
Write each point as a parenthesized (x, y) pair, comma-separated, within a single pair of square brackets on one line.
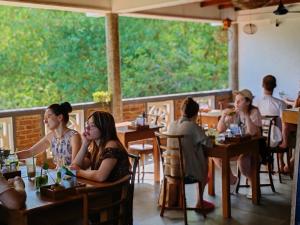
[(65, 59)]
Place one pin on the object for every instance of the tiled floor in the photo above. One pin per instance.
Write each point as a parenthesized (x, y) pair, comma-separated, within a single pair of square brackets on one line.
[(274, 208)]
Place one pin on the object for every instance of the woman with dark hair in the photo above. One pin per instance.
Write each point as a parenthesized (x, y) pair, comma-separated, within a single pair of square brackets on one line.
[(101, 150), (248, 117), (193, 144), (63, 141)]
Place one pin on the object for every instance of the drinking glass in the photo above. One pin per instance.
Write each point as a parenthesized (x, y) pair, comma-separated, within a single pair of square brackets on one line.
[(30, 166)]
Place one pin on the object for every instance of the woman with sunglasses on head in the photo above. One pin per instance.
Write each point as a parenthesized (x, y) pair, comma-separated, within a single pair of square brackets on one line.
[(63, 141), (101, 150), (249, 118)]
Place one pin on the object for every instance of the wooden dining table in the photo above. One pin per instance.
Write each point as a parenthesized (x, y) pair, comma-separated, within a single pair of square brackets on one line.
[(127, 134), (225, 152), (42, 210), (291, 115)]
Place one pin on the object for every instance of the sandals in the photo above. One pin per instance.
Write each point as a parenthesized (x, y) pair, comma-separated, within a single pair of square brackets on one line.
[(206, 207)]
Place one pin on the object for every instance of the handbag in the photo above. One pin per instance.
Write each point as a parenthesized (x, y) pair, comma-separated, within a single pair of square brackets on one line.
[(275, 136)]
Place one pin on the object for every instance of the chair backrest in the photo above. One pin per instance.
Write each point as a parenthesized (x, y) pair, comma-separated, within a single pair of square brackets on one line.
[(152, 119), (267, 123), (134, 163), (106, 203), (171, 153)]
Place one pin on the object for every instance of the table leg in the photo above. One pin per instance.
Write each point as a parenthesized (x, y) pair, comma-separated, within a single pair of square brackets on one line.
[(156, 161), (226, 188), (255, 179), (211, 177)]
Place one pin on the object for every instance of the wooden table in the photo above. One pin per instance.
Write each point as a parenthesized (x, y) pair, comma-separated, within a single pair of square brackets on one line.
[(291, 115), (127, 135), (225, 152), (41, 210)]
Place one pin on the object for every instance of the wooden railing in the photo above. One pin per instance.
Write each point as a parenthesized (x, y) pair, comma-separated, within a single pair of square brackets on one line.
[(21, 128)]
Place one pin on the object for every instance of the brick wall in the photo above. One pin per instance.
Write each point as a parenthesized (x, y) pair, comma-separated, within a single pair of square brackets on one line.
[(28, 130), (132, 110)]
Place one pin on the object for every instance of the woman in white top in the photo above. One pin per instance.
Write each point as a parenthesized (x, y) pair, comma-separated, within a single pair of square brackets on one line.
[(64, 142), (249, 117)]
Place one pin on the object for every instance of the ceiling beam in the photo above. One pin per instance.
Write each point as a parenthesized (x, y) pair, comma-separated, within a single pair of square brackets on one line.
[(275, 2), (173, 17), (100, 7), (214, 2), (226, 5), (131, 6)]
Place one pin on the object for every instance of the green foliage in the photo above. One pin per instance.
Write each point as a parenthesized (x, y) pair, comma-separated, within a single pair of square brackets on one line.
[(54, 56)]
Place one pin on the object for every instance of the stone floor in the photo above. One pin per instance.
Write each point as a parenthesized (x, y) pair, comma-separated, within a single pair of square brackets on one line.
[(274, 208)]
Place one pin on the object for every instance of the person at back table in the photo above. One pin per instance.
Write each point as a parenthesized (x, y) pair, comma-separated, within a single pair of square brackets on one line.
[(63, 142), (268, 105), (193, 144), (101, 151), (12, 193), (248, 116)]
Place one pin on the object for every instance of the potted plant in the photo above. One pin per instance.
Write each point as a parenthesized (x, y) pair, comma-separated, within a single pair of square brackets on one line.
[(43, 178), (102, 97)]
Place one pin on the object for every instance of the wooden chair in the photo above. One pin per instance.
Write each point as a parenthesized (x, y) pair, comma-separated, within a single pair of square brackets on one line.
[(143, 148), (106, 203), (134, 163), (110, 203), (180, 178), (268, 153), (269, 121)]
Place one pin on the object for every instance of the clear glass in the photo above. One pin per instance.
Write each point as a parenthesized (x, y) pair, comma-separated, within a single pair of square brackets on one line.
[(31, 168)]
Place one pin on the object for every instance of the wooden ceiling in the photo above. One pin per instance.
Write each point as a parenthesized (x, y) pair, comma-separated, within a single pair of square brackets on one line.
[(222, 4)]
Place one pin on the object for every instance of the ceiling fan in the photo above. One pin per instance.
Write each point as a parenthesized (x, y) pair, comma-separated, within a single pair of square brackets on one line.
[(282, 10)]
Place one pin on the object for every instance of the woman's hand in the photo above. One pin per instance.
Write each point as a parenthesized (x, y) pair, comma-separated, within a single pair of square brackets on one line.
[(73, 166), (85, 140)]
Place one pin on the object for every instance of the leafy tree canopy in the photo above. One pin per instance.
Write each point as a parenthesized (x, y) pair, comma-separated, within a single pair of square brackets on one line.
[(54, 56)]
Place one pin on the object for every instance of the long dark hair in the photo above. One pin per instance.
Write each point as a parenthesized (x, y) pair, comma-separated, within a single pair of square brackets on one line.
[(62, 109), (105, 122), (189, 107)]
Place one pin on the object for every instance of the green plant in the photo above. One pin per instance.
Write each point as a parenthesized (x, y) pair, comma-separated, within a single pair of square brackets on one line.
[(102, 96), (43, 178)]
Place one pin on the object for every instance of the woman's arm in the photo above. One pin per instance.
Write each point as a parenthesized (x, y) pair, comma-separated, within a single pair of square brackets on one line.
[(253, 123), (102, 173), (75, 144), (225, 120), (80, 159), (39, 147)]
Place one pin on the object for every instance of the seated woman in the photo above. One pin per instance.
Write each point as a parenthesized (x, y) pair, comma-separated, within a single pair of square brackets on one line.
[(101, 150), (12, 193), (248, 116), (64, 142), (193, 144)]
